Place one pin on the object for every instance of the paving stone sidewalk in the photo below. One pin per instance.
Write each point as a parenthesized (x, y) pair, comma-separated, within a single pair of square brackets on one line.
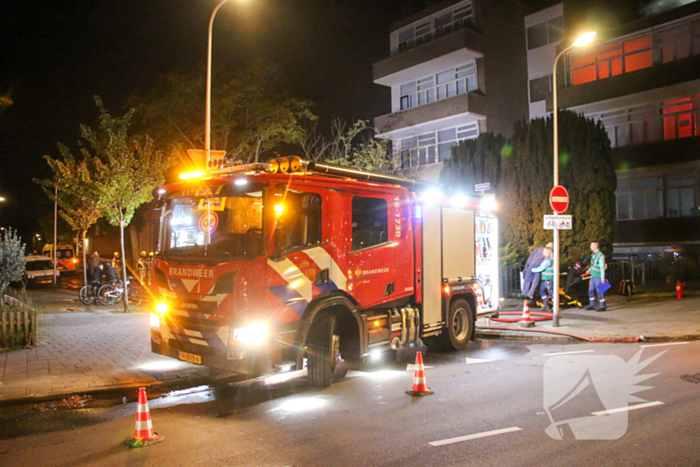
[(87, 351)]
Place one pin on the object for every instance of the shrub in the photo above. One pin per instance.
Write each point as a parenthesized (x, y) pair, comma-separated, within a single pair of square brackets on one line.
[(11, 259)]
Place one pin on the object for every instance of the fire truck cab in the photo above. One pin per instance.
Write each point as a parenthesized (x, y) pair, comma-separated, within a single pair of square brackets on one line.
[(272, 267)]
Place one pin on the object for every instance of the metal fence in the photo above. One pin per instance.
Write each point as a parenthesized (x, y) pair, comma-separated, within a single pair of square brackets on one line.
[(647, 276)]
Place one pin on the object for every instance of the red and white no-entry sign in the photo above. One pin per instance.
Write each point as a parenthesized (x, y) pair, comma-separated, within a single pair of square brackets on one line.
[(559, 199)]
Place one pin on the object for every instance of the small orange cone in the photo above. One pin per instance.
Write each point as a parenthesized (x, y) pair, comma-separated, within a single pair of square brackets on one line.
[(143, 433), (420, 387), (526, 322)]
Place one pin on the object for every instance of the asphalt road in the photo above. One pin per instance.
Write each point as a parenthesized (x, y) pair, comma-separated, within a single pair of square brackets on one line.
[(492, 405)]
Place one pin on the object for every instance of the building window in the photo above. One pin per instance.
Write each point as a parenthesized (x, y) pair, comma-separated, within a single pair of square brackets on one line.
[(433, 147), (545, 33), (680, 196), (679, 41), (638, 199), (611, 60), (459, 17), (369, 222), (448, 83), (678, 118), (540, 87)]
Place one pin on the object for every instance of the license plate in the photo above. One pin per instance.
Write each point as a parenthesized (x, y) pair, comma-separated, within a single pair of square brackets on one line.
[(190, 357), (46, 282)]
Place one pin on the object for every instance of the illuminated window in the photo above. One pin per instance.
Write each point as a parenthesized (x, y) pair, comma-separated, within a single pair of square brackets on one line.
[(678, 118), (611, 60)]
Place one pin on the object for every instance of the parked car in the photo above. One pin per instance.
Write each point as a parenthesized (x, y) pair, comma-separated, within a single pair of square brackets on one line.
[(39, 271)]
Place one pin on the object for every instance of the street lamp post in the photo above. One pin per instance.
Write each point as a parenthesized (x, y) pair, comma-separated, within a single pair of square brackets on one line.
[(584, 39), (207, 124)]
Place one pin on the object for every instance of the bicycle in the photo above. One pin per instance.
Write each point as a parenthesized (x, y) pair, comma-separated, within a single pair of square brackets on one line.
[(88, 293), (111, 293)]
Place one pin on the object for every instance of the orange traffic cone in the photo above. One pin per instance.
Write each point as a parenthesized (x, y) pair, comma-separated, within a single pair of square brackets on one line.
[(420, 387), (526, 322), (143, 433)]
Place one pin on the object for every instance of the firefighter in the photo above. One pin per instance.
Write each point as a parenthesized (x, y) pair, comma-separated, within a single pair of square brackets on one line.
[(597, 278), (546, 268), (116, 263)]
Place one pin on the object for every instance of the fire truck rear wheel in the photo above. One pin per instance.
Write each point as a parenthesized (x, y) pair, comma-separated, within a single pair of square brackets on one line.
[(460, 325), (324, 349)]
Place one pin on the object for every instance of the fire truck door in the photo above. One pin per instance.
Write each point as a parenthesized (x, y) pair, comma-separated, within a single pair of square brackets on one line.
[(372, 257)]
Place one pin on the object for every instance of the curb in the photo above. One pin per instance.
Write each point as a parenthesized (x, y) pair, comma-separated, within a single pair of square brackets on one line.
[(552, 334), (170, 385)]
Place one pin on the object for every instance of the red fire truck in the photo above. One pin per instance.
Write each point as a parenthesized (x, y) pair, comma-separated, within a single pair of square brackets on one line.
[(270, 267)]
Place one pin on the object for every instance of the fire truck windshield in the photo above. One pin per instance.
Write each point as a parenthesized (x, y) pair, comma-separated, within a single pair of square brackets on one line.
[(227, 223)]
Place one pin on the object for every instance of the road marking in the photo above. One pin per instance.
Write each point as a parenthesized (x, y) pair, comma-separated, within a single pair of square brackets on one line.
[(476, 360), (669, 343), (567, 353), (628, 408), (475, 436)]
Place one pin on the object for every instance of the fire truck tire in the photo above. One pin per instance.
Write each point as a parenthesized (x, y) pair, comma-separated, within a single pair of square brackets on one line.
[(460, 326), (324, 347)]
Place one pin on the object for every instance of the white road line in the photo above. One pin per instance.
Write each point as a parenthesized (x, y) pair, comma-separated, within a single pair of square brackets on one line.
[(567, 353), (660, 345), (476, 360), (628, 408), (474, 436)]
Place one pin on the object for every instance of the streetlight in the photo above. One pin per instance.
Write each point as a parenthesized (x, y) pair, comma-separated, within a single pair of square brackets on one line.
[(207, 125), (583, 40)]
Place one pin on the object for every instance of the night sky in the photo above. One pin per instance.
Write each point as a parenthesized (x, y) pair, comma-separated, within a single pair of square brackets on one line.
[(57, 54)]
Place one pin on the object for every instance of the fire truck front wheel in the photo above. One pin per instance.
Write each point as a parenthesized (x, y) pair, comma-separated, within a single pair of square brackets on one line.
[(324, 348), (459, 325)]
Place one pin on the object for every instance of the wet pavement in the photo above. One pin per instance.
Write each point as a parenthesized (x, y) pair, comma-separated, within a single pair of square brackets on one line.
[(24, 419), (86, 352)]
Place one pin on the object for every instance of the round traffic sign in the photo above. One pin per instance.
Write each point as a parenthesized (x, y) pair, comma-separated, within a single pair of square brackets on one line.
[(559, 199)]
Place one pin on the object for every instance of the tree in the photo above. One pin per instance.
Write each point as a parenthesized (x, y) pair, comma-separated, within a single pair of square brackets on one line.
[(251, 114), (355, 146), (11, 259), (124, 170), (520, 171), (76, 194)]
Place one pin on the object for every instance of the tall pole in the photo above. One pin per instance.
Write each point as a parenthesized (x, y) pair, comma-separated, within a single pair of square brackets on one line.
[(555, 108), (55, 220), (207, 124)]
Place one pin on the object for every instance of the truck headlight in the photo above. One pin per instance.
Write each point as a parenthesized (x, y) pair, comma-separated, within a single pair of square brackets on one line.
[(155, 321), (253, 334)]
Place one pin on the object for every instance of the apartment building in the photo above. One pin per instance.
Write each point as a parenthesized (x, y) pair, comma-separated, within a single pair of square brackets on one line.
[(641, 80), (456, 69)]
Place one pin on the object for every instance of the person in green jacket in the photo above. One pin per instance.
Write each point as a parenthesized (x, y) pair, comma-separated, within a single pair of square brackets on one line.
[(597, 277), (546, 268)]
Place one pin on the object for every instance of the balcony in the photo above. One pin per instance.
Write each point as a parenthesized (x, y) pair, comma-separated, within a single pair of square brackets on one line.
[(660, 231), (671, 151), (462, 109), (446, 52), (681, 75)]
